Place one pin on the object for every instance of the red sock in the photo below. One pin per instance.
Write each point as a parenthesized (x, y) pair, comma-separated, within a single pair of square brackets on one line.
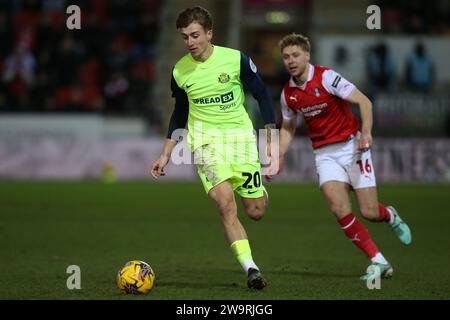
[(358, 234), (384, 215)]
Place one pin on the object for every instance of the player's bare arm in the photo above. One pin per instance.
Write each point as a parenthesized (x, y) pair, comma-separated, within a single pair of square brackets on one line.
[(365, 107), (177, 121), (270, 133), (159, 165), (287, 134)]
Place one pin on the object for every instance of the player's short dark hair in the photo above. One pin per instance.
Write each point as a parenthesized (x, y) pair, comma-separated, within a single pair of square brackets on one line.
[(295, 39), (195, 14)]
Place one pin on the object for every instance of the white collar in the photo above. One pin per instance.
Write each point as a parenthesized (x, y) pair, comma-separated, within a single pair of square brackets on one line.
[(303, 86)]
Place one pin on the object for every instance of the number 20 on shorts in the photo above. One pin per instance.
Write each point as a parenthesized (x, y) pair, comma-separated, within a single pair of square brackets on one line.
[(256, 180)]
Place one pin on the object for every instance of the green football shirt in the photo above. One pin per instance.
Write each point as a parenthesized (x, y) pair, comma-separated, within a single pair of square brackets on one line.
[(216, 98)]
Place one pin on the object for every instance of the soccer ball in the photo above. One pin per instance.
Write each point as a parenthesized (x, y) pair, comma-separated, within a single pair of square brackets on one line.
[(136, 277)]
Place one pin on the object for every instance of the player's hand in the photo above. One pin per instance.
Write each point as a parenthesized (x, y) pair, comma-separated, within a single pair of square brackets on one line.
[(365, 142), (268, 177), (158, 166), (275, 168)]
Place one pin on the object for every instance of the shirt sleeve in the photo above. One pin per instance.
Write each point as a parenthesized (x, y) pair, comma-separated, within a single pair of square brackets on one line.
[(181, 111), (252, 81), (287, 113), (337, 85)]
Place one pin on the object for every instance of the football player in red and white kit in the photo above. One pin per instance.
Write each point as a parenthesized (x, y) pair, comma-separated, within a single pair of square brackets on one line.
[(341, 146)]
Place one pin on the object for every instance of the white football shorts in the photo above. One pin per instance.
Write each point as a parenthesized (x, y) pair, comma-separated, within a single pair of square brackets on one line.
[(344, 162)]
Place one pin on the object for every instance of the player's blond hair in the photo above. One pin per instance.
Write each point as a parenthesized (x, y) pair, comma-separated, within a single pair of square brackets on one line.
[(295, 39)]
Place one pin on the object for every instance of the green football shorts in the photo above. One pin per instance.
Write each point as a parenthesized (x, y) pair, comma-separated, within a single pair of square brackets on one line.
[(235, 162)]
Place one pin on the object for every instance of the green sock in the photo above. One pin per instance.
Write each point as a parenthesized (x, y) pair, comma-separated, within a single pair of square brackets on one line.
[(243, 253)]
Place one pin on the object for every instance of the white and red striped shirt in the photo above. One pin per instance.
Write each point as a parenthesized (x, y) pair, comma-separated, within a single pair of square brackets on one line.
[(321, 100)]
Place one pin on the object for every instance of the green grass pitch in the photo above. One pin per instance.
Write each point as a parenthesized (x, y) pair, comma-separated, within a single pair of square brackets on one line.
[(47, 226)]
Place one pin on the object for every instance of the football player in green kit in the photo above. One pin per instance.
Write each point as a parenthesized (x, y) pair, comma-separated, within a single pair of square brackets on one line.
[(207, 84)]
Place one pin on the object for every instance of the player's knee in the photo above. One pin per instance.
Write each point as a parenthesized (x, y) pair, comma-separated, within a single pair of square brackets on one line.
[(256, 214), (369, 212), (256, 211)]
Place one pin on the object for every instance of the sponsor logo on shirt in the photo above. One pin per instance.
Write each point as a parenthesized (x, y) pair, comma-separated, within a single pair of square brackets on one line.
[(313, 110), (224, 98)]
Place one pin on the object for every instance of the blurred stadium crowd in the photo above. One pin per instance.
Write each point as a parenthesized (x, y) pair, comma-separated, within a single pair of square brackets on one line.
[(415, 17), (407, 18), (107, 66)]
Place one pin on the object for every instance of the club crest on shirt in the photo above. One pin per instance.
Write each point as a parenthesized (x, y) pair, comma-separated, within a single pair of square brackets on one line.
[(224, 77), (317, 92)]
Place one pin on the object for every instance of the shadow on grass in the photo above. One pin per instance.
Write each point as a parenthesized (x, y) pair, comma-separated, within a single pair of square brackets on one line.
[(306, 273), (198, 285), (270, 274)]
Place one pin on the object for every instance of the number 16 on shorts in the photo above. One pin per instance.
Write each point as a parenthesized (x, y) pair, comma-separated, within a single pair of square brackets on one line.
[(363, 174)]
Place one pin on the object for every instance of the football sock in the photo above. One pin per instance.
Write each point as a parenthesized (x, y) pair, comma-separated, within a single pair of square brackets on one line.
[(243, 253), (384, 214), (358, 234)]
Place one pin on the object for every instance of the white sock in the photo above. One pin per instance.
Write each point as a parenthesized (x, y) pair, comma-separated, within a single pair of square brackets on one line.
[(249, 264), (267, 195), (379, 258), (391, 219)]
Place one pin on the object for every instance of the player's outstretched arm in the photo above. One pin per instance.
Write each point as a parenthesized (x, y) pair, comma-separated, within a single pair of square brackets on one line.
[(177, 121), (288, 128), (158, 166), (365, 107), (287, 134)]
